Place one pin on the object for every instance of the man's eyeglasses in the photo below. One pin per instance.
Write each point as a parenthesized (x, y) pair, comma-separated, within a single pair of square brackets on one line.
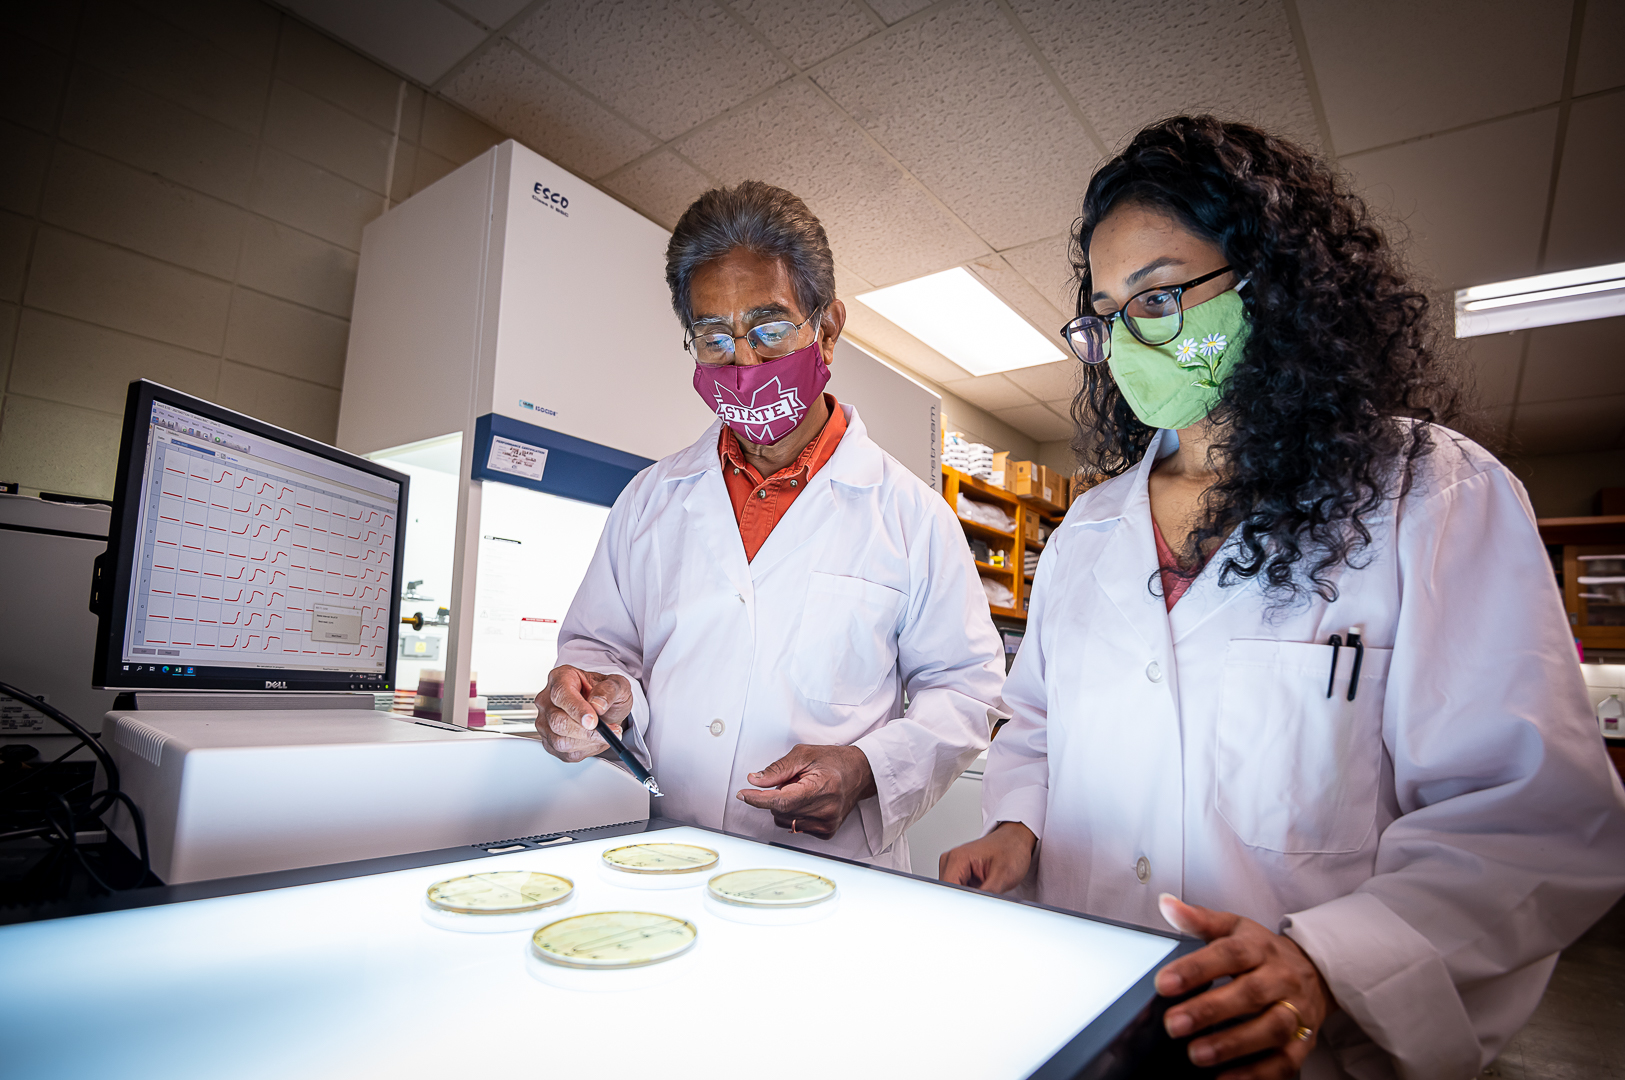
[(768, 340), (1154, 316)]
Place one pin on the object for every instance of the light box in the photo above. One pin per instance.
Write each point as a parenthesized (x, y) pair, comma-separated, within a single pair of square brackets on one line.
[(345, 977)]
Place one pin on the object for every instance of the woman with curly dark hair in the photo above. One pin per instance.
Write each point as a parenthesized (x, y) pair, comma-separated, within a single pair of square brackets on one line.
[(1296, 678)]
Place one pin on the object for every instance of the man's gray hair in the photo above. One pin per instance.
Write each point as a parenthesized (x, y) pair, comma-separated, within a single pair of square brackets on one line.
[(758, 217)]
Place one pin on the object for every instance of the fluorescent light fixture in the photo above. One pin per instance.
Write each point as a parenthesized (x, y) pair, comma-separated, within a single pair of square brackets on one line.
[(963, 320), (1542, 300)]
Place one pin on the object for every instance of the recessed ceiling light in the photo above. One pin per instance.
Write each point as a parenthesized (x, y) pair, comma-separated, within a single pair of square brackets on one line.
[(1542, 300), (963, 320)]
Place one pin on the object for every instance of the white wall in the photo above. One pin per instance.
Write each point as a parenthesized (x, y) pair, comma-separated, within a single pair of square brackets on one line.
[(183, 196)]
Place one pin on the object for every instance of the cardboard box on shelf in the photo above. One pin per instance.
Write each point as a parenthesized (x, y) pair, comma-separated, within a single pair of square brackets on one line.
[(1035, 482), (1032, 529), (1055, 486)]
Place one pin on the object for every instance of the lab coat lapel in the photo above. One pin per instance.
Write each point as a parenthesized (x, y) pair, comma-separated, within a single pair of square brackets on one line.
[(855, 463), (710, 513), (1129, 557)]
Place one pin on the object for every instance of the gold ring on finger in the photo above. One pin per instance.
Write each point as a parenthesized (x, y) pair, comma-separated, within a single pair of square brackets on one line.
[(1302, 1033)]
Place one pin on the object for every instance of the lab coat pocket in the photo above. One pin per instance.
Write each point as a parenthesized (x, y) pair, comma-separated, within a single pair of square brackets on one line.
[(1297, 771), (848, 638)]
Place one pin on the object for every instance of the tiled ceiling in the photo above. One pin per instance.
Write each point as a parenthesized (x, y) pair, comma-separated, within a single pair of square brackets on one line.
[(1489, 133)]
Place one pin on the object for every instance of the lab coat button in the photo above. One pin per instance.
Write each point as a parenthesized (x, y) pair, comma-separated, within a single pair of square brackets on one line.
[(717, 727), (1153, 671), (1142, 869)]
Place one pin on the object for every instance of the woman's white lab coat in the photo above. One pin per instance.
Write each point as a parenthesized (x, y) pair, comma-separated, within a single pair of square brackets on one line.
[(1431, 844), (866, 588)]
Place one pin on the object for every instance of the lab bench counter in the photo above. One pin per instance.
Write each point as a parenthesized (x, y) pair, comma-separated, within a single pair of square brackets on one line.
[(335, 971)]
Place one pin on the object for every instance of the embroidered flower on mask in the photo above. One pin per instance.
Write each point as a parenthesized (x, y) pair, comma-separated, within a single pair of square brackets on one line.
[(1212, 345)]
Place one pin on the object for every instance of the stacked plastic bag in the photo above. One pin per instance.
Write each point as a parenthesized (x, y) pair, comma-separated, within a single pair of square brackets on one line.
[(985, 514), (998, 595), (968, 457)]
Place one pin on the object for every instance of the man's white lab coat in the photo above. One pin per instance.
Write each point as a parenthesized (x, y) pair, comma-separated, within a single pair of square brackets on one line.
[(1431, 845), (864, 590)]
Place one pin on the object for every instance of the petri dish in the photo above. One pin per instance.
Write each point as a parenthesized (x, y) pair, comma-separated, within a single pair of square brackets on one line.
[(611, 940), (664, 859), (500, 892), (767, 888)]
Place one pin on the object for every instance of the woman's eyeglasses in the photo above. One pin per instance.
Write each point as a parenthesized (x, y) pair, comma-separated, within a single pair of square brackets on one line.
[(769, 340), (1154, 316)]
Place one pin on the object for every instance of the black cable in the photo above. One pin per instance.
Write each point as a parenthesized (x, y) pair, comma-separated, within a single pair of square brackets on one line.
[(99, 803)]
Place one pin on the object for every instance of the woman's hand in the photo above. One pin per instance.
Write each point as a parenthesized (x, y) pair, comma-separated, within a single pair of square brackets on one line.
[(1265, 969), (996, 863)]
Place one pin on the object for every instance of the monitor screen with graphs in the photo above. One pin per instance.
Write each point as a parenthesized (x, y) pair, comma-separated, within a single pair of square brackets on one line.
[(245, 557)]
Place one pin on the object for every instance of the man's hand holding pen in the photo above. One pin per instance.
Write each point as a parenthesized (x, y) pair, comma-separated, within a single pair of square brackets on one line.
[(569, 709)]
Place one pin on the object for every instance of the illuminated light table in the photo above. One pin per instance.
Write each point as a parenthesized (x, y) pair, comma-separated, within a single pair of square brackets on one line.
[(287, 974)]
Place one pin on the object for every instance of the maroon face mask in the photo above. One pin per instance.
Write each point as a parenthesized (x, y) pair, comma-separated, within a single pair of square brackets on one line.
[(764, 402)]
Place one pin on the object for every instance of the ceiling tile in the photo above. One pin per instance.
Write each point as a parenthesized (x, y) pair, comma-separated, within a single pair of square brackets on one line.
[(990, 392), (1057, 382), (897, 10), (1472, 201), (807, 31), (1593, 162), (661, 185), (961, 102), (492, 13), (667, 64), (545, 113), (1568, 427), (881, 224), (1047, 266), (1394, 69), (1492, 363), (1575, 360), (1038, 422), (421, 38), (849, 284), (1602, 61), (868, 326), (1018, 293), (1129, 62)]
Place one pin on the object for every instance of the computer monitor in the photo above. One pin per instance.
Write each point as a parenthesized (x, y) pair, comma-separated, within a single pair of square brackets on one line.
[(245, 557)]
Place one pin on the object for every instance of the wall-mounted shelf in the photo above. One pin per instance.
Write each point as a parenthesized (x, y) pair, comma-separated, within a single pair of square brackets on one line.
[(1013, 544)]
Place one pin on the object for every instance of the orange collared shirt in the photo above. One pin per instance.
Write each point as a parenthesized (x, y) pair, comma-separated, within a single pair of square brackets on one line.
[(759, 504)]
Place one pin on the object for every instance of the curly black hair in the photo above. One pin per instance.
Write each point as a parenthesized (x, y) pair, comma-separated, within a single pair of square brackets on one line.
[(1309, 426)]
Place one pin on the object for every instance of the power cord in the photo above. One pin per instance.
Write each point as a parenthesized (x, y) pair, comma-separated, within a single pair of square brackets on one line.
[(58, 819)]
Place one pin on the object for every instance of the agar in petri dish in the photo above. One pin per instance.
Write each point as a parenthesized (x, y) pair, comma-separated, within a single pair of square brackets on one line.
[(613, 939), (500, 892), (665, 859), (771, 888)]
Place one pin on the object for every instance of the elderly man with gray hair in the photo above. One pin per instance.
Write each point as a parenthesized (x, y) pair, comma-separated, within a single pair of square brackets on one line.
[(763, 605)]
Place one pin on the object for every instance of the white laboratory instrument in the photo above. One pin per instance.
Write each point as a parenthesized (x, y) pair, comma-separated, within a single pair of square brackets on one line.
[(227, 793)]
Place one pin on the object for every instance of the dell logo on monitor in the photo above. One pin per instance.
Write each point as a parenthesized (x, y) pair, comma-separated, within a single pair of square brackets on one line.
[(276, 684)]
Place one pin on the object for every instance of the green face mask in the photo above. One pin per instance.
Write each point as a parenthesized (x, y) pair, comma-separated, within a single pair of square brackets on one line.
[(1175, 385)]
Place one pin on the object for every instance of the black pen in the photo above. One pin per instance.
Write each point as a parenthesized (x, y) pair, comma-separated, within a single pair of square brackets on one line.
[(1359, 654), (630, 760), (1336, 643)]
